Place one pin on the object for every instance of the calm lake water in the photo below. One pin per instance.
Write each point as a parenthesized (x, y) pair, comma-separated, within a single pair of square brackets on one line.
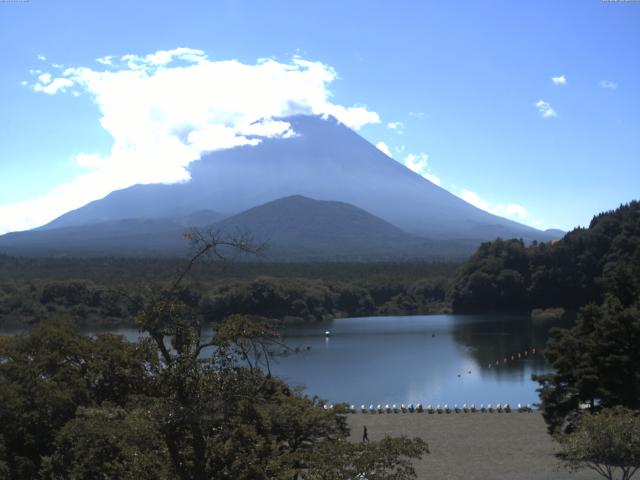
[(420, 359), (415, 359)]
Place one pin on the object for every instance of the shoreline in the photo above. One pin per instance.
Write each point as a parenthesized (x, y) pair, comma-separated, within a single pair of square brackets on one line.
[(474, 446)]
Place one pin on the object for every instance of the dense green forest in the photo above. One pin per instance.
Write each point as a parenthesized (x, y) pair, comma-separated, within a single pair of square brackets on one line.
[(506, 275), (597, 362), (106, 292)]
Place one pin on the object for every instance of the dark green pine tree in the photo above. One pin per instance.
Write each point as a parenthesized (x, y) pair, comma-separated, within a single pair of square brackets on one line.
[(597, 363)]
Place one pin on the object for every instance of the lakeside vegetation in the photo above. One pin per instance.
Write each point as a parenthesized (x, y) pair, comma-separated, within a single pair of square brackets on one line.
[(91, 291), (174, 405), (595, 382), (73, 406)]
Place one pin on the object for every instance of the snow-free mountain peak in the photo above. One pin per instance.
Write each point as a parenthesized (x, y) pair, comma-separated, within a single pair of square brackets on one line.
[(324, 160)]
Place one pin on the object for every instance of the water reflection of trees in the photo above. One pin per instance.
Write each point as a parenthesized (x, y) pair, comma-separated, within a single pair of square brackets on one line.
[(488, 341)]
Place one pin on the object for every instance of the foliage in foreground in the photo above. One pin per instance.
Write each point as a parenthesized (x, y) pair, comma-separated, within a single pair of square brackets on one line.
[(176, 405), (607, 442), (84, 408), (596, 364), (591, 401)]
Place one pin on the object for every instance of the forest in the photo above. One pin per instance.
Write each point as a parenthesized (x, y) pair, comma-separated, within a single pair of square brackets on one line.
[(105, 293), (507, 275)]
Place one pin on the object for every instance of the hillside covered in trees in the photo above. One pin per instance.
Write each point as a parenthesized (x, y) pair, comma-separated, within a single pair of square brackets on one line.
[(506, 275)]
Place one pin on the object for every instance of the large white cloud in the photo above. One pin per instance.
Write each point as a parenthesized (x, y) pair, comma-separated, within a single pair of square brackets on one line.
[(165, 109)]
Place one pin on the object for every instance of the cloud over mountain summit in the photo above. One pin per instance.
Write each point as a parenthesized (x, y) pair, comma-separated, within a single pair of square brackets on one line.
[(164, 109)]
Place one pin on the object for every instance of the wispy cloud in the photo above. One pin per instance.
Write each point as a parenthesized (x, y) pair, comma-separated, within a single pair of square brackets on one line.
[(419, 164), (51, 87), (106, 60), (419, 115), (384, 148), (512, 211), (559, 80), (608, 84), (397, 126), (163, 110), (545, 110)]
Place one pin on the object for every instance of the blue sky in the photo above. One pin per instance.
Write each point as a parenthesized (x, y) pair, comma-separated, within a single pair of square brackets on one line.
[(468, 85)]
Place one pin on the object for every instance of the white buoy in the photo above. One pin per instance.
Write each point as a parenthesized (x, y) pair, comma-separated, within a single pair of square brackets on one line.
[(327, 333)]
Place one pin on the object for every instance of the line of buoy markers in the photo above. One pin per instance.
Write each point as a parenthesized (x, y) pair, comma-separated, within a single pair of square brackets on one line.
[(438, 409), (513, 358)]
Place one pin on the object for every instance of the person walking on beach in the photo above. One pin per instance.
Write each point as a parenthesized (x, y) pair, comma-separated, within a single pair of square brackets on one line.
[(365, 435)]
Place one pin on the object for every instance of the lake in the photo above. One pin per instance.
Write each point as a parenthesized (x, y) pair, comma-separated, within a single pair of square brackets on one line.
[(452, 359), (418, 359)]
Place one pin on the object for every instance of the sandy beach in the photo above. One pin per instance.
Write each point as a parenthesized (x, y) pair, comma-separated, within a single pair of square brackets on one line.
[(478, 446)]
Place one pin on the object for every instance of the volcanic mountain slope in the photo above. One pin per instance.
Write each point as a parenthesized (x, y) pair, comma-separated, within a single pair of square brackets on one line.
[(129, 236), (300, 228), (324, 160), (292, 228)]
